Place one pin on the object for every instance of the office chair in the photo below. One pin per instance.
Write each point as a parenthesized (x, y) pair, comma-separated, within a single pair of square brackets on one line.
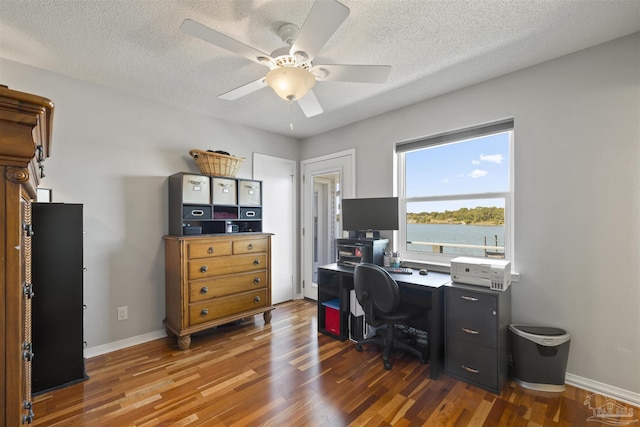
[(379, 295)]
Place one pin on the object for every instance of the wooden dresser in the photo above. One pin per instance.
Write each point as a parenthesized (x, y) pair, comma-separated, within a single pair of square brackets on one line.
[(25, 138), (214, 280)]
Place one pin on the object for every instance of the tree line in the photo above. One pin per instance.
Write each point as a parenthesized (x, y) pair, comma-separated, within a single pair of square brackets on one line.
[(477, 216)]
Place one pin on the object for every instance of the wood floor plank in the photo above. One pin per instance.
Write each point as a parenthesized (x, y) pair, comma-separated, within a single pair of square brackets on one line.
[(286, 374)]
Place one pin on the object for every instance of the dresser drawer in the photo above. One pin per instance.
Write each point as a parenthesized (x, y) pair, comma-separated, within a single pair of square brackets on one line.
[(218, 266), (247, 246), (226, 306), (220, 286), (205, 249), (472, 316), (472, 362)]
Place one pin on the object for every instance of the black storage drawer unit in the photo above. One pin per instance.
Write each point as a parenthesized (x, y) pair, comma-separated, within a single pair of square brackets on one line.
[(196, 212), (476, 322), (250, 213)]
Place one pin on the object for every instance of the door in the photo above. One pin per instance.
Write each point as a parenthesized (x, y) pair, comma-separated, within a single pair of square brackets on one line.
[(326, 180), (278, 178)]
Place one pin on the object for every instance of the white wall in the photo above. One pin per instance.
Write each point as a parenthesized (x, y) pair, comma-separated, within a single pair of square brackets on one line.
[(113, 152), (577, 193)]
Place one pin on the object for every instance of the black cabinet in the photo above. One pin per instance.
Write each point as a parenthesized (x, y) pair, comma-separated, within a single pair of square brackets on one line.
[(332, 286), (476, 322), (203, 204), (58, 310)]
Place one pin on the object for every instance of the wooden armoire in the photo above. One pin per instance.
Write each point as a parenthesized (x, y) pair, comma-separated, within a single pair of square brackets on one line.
[(25, 141)]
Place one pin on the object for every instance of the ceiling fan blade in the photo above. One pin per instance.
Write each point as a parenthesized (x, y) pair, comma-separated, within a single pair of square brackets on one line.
[(323, 20), (243, 90), (212, 36), (310, 105), (352, 73)]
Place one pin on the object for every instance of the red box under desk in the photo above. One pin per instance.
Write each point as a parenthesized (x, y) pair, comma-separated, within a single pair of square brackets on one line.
[(332, 316)]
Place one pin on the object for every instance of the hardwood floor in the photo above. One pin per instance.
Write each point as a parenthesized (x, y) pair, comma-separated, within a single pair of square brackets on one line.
[(286, 374)]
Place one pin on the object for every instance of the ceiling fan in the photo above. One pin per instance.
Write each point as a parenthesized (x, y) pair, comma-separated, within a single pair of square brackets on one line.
[(292, 71)]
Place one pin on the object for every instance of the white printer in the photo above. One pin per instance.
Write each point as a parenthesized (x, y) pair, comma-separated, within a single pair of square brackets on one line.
[(491, 273)]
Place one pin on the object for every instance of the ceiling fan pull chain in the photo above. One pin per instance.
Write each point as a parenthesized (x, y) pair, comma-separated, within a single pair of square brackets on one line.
[(290, 121)]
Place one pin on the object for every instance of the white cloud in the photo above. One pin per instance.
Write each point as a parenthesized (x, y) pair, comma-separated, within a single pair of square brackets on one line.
[(475, 162), (492, 158), (478, 173)]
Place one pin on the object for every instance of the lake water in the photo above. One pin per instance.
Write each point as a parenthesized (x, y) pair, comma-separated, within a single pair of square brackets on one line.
[(454, 233)]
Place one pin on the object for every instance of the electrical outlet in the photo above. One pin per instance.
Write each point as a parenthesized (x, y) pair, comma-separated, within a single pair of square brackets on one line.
[(123, 313)]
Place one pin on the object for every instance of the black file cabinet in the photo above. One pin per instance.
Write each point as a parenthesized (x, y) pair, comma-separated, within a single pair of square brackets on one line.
[(476, 322), (57, 310)]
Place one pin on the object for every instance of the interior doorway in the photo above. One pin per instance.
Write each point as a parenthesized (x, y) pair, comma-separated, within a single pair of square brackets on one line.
[(326, 180), (326, 220)]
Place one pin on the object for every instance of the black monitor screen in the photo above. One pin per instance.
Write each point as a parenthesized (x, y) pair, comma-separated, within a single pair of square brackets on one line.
[(370, 214)]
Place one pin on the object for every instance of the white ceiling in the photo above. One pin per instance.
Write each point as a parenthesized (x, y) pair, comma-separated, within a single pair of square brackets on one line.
[(433, 46)]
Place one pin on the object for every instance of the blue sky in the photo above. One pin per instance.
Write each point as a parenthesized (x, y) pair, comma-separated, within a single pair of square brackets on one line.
[(478, 165)]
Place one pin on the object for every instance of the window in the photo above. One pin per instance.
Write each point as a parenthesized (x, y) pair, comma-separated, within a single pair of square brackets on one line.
[(456, 194)]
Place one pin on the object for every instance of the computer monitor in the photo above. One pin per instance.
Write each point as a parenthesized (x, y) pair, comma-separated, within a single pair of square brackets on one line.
[(372, 214)]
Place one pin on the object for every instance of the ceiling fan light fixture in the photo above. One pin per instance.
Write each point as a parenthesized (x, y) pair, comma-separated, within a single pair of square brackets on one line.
[(290, 83)]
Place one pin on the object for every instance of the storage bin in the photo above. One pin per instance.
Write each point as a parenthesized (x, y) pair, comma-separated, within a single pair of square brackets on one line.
[(250, 213), (249, 193), (332, 316), (224, 191), (195, 189), (540, 356), (196, 212)]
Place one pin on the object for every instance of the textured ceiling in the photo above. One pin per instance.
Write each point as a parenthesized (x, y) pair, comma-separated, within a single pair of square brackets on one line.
[(433, 47)]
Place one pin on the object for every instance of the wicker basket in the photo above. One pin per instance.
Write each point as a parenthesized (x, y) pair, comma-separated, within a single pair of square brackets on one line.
[(215, 163)]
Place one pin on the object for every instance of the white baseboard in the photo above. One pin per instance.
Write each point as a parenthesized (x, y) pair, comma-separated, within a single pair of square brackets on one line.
[(119, 345), (617, 393)]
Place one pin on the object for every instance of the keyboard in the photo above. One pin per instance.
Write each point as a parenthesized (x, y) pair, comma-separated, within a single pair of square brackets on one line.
[(399, 270)]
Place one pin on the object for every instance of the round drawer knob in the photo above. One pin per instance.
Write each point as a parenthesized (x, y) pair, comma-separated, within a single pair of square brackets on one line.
[(204, 269), (256, 261), (256, 280), (204, 312), (256, 299), (204, 290), (250, 247), (210, 250)]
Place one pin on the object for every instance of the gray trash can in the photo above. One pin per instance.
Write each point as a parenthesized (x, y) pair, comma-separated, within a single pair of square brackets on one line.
[(540, 356)]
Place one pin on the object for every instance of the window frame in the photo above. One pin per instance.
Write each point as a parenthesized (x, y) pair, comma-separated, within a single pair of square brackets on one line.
[(443, 259)]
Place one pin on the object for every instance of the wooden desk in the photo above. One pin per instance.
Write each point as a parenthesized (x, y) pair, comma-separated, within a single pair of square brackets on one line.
[(336, 282)]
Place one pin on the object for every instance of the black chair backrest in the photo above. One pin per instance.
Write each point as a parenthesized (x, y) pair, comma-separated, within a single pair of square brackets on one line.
[(376, 290)]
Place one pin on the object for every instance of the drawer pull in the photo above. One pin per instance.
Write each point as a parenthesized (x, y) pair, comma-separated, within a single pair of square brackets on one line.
[(256, 280), (256, 261), (204, 269), (256, 299), (197, 212), (204, 312), (210, 250), (466, 298), (470, 331), (470, 370), (204, 290), (249, 247)]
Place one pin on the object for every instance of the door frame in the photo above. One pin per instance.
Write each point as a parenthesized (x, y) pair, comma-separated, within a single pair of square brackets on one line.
[(334, 163)]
